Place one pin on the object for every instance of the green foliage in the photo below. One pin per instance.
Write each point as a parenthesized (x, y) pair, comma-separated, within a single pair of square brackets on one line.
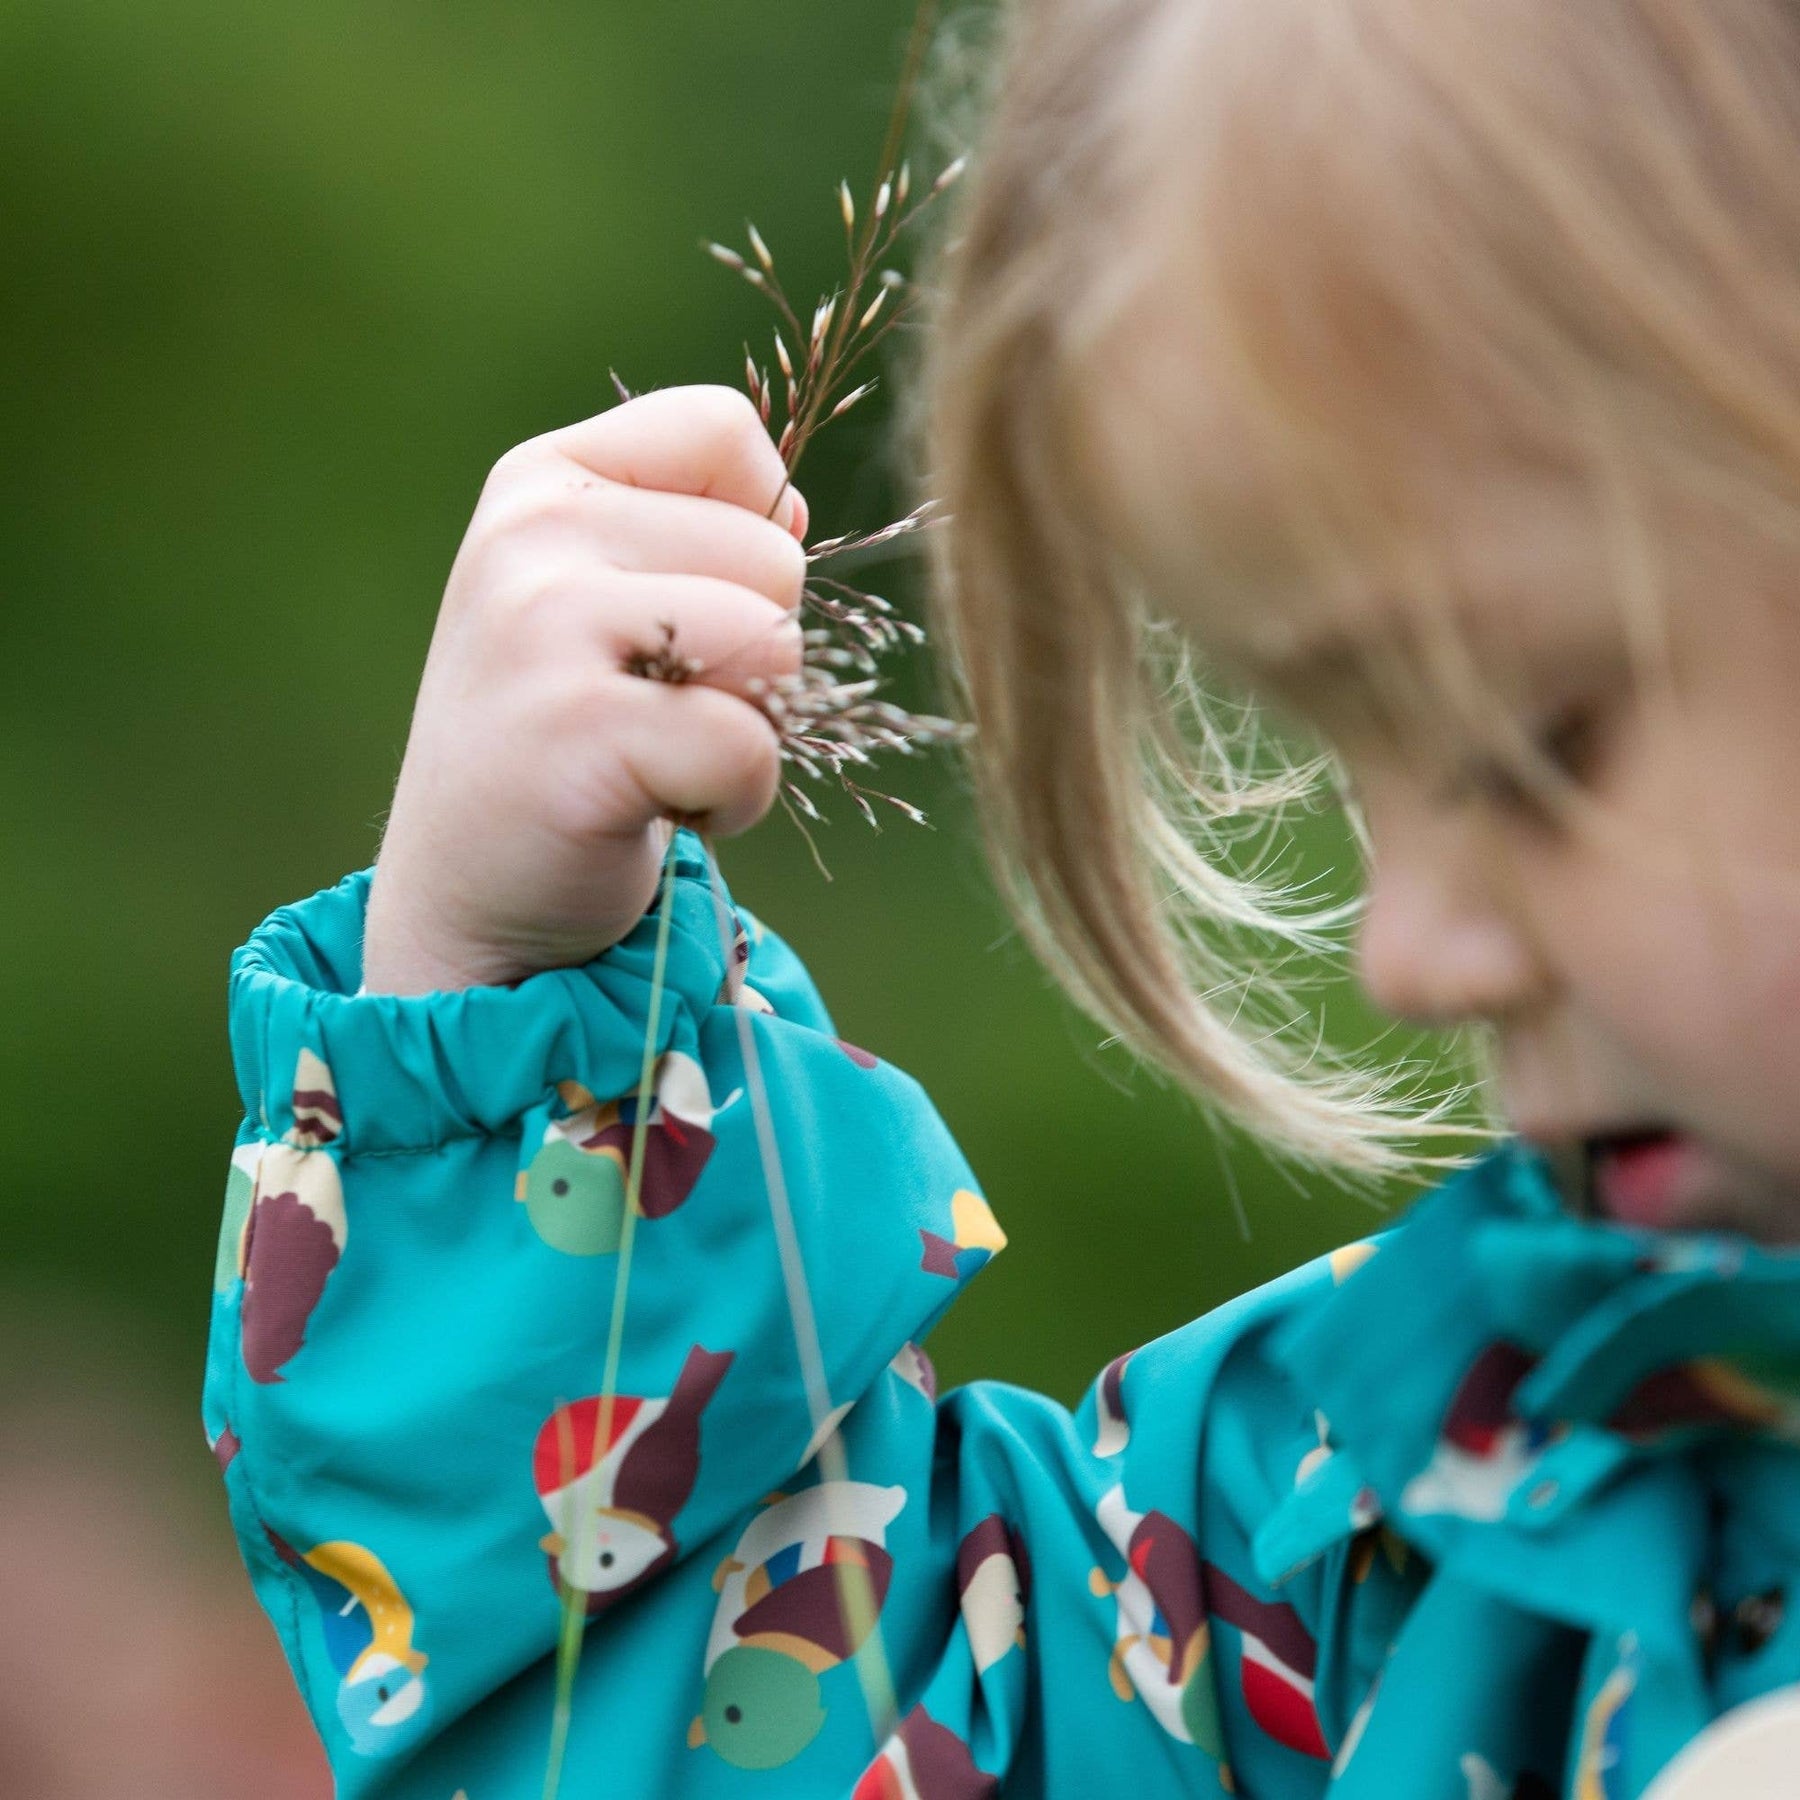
[(283, 282)]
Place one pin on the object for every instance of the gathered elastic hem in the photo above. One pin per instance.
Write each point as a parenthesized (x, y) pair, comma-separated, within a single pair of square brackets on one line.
[(411, 1073)]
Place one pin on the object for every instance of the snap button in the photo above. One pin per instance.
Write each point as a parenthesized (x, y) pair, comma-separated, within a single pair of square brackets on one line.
[(1757, 1617), (1544, 1494)]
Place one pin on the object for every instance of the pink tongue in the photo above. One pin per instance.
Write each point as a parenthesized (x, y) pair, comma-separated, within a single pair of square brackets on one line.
[(1641, 1182)]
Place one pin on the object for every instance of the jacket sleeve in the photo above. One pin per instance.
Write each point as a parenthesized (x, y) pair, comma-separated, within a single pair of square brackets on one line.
[(426, 1269)]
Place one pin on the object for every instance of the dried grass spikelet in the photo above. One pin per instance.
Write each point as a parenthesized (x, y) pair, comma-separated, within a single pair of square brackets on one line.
[(664, 663), (830, 723)]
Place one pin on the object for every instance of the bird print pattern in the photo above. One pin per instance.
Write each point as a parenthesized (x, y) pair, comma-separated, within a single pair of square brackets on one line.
[(612, 1476), (367, 1627), (1395, 1523), (294, 1225), (575, 1185), (925, 1760), (787, 1615)]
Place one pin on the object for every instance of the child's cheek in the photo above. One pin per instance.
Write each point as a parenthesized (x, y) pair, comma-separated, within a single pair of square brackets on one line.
[(1705, 999), (1773, 1032)]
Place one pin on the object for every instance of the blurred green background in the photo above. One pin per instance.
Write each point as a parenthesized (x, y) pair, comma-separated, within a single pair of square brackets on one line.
[(280, 285)]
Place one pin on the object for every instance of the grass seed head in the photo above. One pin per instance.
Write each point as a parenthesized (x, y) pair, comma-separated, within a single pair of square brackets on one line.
[(664, 663), (851, 398), (828, 718)]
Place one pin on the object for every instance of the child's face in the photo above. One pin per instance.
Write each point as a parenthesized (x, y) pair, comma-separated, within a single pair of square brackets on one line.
[(1636, 953)]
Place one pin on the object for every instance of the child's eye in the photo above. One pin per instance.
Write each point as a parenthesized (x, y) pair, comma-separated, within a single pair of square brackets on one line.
[(1563, 753)]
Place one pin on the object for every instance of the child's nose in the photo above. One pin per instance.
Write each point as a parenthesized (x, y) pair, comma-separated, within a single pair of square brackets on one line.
[(1439, 957)]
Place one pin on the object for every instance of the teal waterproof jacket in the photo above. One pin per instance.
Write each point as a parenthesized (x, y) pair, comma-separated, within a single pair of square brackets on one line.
[(1504, 1505)]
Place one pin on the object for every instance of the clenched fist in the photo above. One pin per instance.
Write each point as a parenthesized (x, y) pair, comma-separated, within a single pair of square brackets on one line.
[(541, 774)]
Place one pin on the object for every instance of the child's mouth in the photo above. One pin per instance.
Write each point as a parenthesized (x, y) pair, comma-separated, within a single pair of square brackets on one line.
[(1650, 1178), (1661, 1179)]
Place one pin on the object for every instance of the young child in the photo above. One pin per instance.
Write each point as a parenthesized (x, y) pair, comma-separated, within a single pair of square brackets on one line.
[(1432, 367)]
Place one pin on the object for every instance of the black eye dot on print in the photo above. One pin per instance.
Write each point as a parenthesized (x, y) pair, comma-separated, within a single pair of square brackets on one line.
[(734, 1715), (559, 1187)]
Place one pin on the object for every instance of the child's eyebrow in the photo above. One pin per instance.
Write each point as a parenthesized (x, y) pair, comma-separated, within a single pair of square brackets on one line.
[(1388, 663), (1388, 667), (1294, 658), (1392, 633)]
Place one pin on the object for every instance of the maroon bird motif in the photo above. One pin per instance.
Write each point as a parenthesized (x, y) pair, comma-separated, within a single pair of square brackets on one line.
[(993, 1584), (975, 1238), (612, 1476), (1114, 1430), (1277, 1662), (1484, 1450), (735, 990), (924, 1760), (1161, 1643), (295, 1226), (800, 1591), (915, 1368), (575, 1186)]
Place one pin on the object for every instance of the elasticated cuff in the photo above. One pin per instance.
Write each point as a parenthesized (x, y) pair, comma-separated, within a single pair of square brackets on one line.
[(418, 1071)]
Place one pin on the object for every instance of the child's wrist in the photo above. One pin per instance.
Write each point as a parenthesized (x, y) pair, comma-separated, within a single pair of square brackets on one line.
[(405, 954)]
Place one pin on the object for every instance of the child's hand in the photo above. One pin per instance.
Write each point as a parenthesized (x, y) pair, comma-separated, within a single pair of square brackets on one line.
[(533, 806)]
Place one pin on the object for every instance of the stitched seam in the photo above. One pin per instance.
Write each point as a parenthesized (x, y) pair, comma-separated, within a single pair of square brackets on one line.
[(346, 1153)]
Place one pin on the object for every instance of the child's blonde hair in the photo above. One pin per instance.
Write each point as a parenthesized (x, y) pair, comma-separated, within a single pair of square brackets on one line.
[(1568, 229)]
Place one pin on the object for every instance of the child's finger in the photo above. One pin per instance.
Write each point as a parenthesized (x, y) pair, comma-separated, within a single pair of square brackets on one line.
[(653, 533), (715, 633), (697, 753), (695, 440)]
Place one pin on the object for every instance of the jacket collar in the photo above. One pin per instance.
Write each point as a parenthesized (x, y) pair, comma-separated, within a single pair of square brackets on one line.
[(1498, 1366)]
